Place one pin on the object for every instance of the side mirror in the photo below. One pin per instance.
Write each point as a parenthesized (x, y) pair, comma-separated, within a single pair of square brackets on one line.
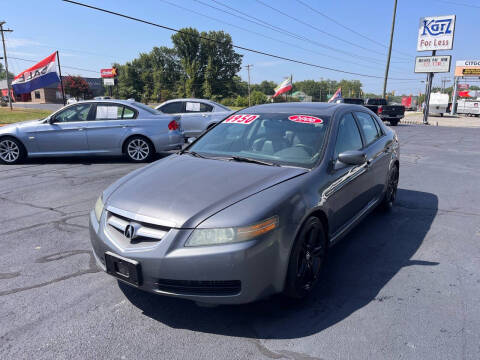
[(353, 157), (191, 140)]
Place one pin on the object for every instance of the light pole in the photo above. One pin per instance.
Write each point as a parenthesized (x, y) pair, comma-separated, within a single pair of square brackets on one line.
[(6, 62), (248, 69), (389, 49)]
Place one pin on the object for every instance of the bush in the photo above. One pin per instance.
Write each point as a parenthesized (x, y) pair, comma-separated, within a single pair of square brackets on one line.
[(241, 101)]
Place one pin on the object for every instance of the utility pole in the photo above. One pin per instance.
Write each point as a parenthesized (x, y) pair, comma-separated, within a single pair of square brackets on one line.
[(389, 49), (248, 69), (444, 80), (6, 61)]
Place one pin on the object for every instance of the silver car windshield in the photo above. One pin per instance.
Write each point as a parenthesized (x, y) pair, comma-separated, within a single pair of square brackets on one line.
[(277, 138)]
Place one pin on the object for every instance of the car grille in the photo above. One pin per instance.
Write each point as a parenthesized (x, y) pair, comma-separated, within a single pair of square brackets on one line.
[(194, 287), (145, 232)]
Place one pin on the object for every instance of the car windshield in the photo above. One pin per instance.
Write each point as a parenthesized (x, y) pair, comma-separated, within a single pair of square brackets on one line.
[(147, 108), (274, 138)]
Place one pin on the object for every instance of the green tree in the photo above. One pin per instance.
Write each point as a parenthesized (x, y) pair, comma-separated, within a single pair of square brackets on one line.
[(266, 87), (258, 97), (3, 73)]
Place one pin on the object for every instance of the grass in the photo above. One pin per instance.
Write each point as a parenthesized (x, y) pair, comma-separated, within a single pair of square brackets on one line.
[(21, 114), (235, 108)]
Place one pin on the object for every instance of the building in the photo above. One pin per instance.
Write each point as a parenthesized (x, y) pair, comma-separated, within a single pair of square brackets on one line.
[(52, 94)]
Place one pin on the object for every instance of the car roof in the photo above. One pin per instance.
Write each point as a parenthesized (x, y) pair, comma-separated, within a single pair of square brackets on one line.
[(307, 108), (191, 99), (123, 102)]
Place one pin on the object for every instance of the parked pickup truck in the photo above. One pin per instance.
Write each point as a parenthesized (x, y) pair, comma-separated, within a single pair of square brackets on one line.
[(390, 113)]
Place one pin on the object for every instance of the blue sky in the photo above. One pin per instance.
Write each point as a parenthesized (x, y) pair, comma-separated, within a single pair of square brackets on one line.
[(91, 40)]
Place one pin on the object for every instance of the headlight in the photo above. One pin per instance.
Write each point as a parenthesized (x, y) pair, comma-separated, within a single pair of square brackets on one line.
[(203, 237), (98, 208)]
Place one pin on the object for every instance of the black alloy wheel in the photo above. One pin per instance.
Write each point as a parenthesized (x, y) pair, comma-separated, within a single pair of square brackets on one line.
[(307, 259), (391, 192)]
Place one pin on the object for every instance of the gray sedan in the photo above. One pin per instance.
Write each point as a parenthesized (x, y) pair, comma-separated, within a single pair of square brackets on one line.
[(197, 115), (103, 127), (262, 196)]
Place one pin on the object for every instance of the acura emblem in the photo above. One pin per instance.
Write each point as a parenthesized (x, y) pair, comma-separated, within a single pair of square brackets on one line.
[(129, 232)]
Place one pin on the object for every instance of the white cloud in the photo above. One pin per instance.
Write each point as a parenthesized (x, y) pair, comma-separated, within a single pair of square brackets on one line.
[(21, 42)]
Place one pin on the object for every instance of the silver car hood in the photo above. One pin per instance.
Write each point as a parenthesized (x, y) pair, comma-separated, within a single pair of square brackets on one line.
[(20, 124), (181, 191)]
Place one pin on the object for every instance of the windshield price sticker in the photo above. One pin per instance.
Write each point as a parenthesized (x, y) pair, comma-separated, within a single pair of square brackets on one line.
[(305, 119), (241, 119)]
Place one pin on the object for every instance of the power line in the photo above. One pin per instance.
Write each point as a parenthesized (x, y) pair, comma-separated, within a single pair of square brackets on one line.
[(461, 4), (219, 42), (347, 28), (318, 29), (269, 26)]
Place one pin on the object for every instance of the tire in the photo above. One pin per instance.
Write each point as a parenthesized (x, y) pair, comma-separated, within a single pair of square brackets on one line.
[(139, 149), (307, 258), (393, 122), (441, 114), (12, 151), (391, 191)]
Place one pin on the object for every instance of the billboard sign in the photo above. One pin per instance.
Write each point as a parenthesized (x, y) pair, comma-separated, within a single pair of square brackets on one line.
[(436, 33), (467, 68), (108, 81), (434, 64), (108, 73), (463, 86)]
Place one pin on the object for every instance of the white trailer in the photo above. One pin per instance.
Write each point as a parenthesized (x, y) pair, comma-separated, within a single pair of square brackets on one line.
[(469, 107), (438, 103)]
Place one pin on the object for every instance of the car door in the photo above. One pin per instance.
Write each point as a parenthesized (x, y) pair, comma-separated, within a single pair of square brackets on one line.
[(346, 194), (65, 132), (377, 152), (107, 128), (196, 117)]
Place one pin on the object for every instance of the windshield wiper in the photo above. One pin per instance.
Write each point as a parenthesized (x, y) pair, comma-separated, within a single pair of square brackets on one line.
[(194, 153), (254, 161)]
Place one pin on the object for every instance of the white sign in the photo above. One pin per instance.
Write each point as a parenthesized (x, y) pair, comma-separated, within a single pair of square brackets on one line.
[(108, 81), (434, 64), (106, 112), (436, 33), (466, 63), (192, 106)]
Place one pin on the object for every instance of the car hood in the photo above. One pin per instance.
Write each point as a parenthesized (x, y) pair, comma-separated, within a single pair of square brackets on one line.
[(181, 191), (19, 125)]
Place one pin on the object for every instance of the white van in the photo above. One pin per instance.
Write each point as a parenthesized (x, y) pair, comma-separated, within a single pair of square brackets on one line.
[(438, 103), (469, 107)]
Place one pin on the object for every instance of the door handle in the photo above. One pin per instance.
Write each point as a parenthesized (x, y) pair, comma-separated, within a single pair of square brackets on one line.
[(81, 129)]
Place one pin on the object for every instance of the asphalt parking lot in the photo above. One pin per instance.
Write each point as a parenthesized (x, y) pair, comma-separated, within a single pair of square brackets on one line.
[(401, 286)]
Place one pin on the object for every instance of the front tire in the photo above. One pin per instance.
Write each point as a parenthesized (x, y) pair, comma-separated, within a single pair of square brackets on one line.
[(306, 259), (391, 192), (11, 151), (139, 149), (393, 122)]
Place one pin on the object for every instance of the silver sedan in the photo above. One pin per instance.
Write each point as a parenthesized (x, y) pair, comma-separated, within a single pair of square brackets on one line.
[(102, 127), (197, 115)]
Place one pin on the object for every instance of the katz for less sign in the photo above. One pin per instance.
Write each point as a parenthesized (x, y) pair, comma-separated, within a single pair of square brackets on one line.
[(436, 33)]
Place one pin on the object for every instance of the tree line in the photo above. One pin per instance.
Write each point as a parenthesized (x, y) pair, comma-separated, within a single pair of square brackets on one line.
[(205, 65)]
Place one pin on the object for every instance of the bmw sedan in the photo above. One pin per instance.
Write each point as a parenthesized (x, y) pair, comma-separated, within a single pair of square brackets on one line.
[(197, 115), (259, 200), (102, 127)]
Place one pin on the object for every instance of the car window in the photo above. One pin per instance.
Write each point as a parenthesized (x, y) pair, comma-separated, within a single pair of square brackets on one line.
[(128, 113), (367, 124), (74, 113), (279, 138), (172, 108), (108, 112), (348, 137), (193, 106)]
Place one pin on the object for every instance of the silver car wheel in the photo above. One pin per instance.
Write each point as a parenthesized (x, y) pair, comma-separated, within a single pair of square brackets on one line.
[(138, 149), (9, 151)]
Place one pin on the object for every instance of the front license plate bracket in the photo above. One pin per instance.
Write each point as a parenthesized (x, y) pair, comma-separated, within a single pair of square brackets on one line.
[(124, 269)]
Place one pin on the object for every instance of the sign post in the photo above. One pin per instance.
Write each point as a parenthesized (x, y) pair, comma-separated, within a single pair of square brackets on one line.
[(434, 33)]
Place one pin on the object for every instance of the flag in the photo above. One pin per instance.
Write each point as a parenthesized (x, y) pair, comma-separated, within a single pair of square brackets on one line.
[(337, 95), (284, 87), (38, 76)]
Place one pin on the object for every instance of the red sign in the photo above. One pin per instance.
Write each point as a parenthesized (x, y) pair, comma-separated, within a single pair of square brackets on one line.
[(305, 119), (463, 86), (242, 119), (108, 73)]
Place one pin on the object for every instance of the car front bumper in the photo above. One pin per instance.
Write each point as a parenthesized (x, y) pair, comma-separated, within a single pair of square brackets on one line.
[(199, 273)]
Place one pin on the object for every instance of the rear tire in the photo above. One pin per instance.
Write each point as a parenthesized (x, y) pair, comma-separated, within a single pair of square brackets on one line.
[(11, 151), (393, 122), (139, 149), (391, 191), (307, 258)]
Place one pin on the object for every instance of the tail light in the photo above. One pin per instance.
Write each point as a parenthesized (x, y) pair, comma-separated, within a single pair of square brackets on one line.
[(173, 125), (380, 109)]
